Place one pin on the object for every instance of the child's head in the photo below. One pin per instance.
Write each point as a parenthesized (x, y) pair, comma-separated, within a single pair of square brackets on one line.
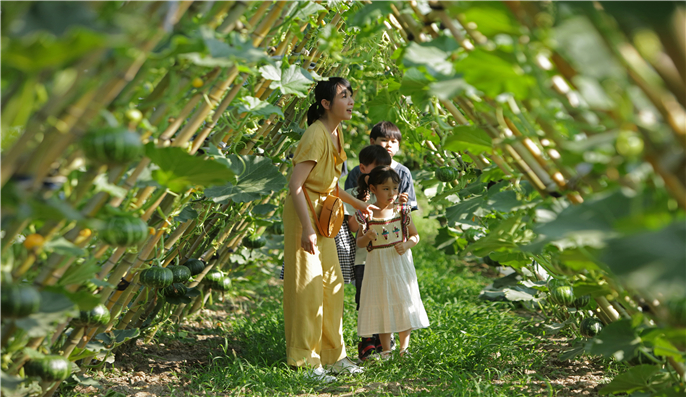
[(387, 135), (377, 181), (373, 156), (333, 96)]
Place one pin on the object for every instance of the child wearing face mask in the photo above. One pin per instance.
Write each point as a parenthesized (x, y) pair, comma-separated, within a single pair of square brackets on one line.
[(390, 301)]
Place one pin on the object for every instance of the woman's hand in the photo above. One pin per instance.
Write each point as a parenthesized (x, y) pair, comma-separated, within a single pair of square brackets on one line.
[(402, 247), (308, 241), (366, 208)]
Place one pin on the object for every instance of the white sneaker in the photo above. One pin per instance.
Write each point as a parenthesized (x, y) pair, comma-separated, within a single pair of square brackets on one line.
[(319, 375), (346, 366)]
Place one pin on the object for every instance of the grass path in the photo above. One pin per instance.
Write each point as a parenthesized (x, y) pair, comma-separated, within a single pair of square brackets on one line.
[(473, 348)]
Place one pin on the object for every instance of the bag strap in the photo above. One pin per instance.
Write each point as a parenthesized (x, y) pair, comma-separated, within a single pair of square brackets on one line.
[(316, 221)]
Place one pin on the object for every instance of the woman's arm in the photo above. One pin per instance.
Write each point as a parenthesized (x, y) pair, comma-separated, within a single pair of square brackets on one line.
[(412, 239), (357, 204), (300, 173)]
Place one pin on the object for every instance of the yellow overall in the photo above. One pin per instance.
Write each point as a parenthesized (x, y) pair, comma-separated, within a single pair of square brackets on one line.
[(313, 284)]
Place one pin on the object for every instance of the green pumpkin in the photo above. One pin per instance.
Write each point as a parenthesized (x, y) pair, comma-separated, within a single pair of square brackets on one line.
[(112, 146), (181, 273), (677, 312), (446, 174), (19, 300), (224, 284), (213, 278), (156, 277), (556, 282), (96, 317), (582, 301), (49, 368), (590, 327), (196, 266), (251, 242), (124, 231), (176, 290), (563, 296), (276, 228)]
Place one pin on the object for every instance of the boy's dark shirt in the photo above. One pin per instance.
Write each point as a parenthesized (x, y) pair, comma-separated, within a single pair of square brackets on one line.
[(406, 185)]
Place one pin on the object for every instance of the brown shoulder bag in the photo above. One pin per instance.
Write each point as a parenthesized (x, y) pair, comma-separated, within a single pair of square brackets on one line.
[(331, 218)]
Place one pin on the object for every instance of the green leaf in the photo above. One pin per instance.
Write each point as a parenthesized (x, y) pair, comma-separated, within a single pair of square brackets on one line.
[(117, 337), (54, 309), (179, 170), (309, 9), (635, 379), (464, 211), (289, 81), (664, 348), (77, 274), (469, 137), (241, 49), (53, 209), (258, 107), (186, 214), (618, 339), (504, 201), (102, 185), (415, 84), (9, 383), (590, 288), (495, 73), (370, 13), (63, 246), (264, 209), (447, 241), (490, 17), (85, 300), (259, 178), (431, 57), (383, 107), (449, 89), (652, 261)]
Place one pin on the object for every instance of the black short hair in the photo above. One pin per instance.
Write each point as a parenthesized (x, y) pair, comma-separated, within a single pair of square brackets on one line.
[(373, 153), (386, 129)]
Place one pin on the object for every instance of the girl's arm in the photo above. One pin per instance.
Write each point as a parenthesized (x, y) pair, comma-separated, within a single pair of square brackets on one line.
[(412, 239), (301, 171), (366, 208), (352, 224)]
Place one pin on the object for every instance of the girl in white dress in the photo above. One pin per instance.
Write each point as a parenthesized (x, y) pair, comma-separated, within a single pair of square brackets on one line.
[(390, 301)]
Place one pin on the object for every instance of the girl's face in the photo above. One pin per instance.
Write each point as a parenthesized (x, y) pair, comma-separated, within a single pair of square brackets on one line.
[(341, 108), (386, 193)]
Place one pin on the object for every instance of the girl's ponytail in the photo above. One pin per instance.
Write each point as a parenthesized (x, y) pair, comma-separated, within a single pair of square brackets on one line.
[(325, 90), (363, 190)]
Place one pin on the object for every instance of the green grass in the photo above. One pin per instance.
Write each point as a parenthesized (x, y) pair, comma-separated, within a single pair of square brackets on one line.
[(468, 345), (472, 348)]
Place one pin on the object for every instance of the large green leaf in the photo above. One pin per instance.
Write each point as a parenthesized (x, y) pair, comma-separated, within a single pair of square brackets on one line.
[(309, 8), (63, 246), (257, 178), (370, 13), (258, 107), (383, 107), (490, 17), (637, 378), (447, 241), (469, 137), (54, 309), (652, 260), (495, 73), (429, 56), (618, 339), (293, 80), (179, 170), (415, 84), (448, 89)]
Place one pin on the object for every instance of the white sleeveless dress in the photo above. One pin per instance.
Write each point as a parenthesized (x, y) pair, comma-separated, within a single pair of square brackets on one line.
[(390, 300)]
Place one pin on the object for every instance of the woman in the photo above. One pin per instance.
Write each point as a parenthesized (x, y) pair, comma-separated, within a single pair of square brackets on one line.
[(313, 283)]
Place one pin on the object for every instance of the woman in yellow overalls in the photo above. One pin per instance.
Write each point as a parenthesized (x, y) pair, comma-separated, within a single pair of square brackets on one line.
[(313, 282)]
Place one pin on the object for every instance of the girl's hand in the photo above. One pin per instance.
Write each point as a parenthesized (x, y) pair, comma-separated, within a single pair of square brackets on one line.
[(401, 248), (308, 241), (371, 235), (403, 198)]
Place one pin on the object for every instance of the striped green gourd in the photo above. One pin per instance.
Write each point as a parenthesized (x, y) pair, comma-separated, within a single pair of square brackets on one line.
[(49, 368), (156, 277), (96, 317), (124, 231), (112, 146), (19, 300)]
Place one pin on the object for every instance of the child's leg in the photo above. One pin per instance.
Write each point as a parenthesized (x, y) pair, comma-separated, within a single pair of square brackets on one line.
[(404, 339), (359, 275), (385, 341)]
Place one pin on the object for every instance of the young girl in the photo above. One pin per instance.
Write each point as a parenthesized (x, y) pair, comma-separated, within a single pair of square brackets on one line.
[(390, 300)]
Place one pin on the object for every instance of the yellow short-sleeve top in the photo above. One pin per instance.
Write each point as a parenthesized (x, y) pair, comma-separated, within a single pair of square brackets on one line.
[(316, 145)]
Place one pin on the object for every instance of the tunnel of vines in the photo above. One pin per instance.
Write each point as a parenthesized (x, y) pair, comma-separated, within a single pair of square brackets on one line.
[(146, 151)]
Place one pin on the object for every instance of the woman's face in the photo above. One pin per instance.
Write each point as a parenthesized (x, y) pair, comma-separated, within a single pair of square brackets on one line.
[(341, 108)]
